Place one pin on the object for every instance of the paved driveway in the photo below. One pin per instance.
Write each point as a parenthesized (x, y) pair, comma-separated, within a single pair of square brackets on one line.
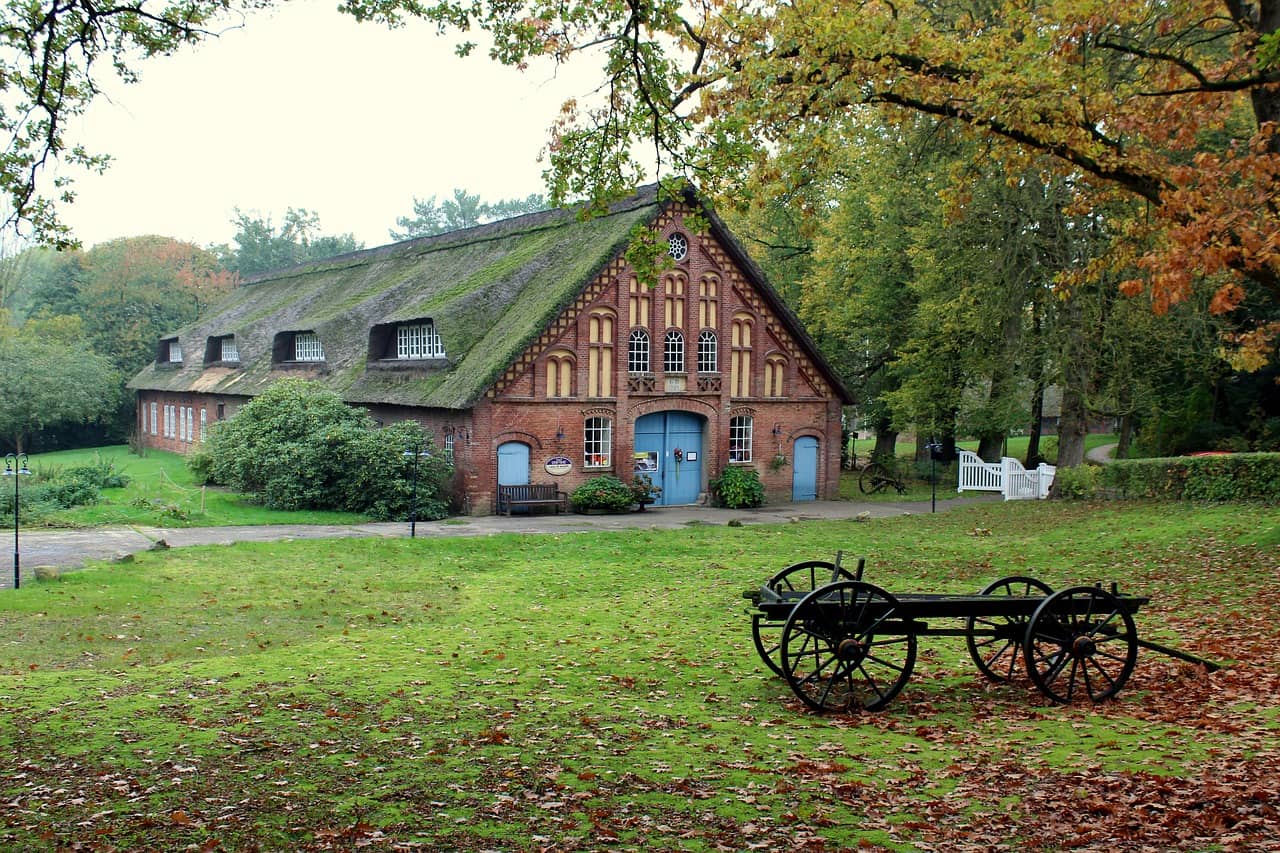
[(72, 549)]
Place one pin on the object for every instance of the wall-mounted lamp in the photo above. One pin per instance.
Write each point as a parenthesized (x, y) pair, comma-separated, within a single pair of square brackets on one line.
[(777, 430), (559, 433)]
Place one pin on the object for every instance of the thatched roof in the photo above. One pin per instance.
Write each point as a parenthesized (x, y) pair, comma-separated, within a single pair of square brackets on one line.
[(490, 291)]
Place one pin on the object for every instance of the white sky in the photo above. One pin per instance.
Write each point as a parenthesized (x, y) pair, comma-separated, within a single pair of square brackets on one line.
[(303, 107)]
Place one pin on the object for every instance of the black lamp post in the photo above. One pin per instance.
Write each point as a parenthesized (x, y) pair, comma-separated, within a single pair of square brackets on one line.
[(15, 465), (935, 450), (415, 453)]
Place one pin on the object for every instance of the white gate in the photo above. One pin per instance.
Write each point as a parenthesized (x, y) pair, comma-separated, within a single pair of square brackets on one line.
[(1007, 477)]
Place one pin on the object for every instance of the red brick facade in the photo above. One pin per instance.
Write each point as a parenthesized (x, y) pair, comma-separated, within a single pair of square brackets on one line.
[(579, 369)]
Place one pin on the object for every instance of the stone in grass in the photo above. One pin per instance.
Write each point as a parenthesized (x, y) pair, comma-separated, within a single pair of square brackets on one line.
[(48, 573)]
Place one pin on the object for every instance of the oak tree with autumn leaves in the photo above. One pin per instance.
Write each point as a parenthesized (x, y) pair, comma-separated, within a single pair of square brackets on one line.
[(1172, 102)]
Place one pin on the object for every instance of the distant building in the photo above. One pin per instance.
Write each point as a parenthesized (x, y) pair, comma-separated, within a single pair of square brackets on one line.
[(532, 352)]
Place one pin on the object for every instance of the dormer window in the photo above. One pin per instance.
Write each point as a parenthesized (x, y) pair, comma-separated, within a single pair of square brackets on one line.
[(406, 345), (418, 340), (306, 347), (169, 353), (221, 350), (300, 347)]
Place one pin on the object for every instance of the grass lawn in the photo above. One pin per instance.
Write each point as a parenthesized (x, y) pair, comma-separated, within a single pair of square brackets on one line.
[(600, 691), (162, 493)]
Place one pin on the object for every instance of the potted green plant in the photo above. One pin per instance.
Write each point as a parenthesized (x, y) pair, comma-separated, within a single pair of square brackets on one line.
[(644, 491)]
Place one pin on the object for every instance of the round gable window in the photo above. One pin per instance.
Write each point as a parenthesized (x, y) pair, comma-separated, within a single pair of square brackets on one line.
[(678, 246)]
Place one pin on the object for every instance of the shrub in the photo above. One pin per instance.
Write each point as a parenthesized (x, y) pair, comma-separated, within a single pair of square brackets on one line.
[(606, 493), (1236, 477), (1078, 483), (299, 446), (737, 488)]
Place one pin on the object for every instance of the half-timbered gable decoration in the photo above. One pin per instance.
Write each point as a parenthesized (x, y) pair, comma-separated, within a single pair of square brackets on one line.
[(535, 353)]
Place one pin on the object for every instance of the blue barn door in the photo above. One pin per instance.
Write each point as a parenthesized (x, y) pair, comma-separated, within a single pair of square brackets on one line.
[(804, 467), (660, 435)]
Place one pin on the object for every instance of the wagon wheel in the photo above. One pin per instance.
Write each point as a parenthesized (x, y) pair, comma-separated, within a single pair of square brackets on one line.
[(997, 656), (1081, 641), (839, 649), (801, 578), (873, 479)]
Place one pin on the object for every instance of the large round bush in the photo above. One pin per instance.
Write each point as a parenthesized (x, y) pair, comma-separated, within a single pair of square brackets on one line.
[(299, 446)]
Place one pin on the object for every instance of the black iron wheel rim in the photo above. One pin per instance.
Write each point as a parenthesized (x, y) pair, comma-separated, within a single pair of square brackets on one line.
[(826, 678), (803, 577), (998, 656), (1081, 643)]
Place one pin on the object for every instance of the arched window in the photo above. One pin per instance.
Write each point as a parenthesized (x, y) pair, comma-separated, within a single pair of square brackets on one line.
[(775, 370), (600, 354), (707, 361), (637, 303), (560, 374), (597, 443), (674, 285), (638, 352), (708, 299), (740, 438), (740, 367), (673, 352)]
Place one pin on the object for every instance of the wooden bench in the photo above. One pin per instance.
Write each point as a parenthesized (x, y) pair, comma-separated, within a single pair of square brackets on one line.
[(531, 494)]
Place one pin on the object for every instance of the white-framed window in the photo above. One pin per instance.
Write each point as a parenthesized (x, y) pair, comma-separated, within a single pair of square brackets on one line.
[(204, 424), (673, 352), (182, 423), (740, 438), (448, 447), (418, 340), (638, 352), (168, 421), (678, 246), (191, 424), (144, 420), (229, 350), (175, 352), (707, 360), (597, 443), (306, 347), (154, 425)]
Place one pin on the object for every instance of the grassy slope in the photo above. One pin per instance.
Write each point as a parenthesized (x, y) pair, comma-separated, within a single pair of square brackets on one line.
[(162, 492), (562, 691)]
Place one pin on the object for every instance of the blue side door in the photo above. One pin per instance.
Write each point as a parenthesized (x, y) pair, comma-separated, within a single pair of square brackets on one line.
[(804, 466), (679, 474), (513, 466)]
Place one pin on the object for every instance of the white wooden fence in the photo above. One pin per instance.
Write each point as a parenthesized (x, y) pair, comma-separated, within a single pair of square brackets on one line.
[(1007, 477)]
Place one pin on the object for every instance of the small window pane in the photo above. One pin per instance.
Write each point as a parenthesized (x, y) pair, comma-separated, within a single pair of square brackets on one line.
[(707, 353), (419, 340), (638, 352), (306, 347), (677, 246), (448, 447), (175, 352), (597, 443), (673, 352), (740, 439), (229, 350)]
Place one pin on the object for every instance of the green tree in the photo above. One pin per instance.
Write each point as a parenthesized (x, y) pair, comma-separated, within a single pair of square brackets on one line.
[(261, 246), (1172, 102), (464, 210), (50, 379)]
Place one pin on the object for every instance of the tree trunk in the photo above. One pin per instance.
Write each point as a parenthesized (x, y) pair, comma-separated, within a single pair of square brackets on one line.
[(1037, 418), (991, 447), (1126, 436), (1073, 426), (886, 443)]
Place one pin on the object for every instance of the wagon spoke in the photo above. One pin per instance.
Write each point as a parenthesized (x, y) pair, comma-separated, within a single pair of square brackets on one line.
[(1006, 628), (1091, 621)]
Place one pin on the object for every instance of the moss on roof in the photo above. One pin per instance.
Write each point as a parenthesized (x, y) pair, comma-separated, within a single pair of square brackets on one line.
[(490, 292)]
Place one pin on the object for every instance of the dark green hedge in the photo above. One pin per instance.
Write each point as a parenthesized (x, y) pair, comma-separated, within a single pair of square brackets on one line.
[(1235, 477)]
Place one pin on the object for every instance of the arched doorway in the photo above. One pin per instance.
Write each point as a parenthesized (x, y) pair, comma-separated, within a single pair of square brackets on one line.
[(513, 464), (670, 444), (804, 467)]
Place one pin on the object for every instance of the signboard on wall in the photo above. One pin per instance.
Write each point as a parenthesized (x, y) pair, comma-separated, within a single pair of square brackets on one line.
[(558, 466)]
